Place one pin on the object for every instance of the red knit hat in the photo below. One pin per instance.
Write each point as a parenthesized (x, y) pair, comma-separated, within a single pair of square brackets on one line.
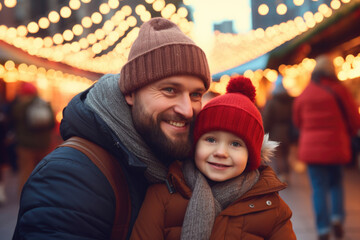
[(235, 112), (162, 50), (27, 89)]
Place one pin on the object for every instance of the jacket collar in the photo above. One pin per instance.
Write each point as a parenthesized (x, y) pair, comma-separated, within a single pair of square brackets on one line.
[(80, 120)]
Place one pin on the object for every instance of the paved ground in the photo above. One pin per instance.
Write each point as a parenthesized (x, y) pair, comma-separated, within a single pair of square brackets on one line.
[(8, 212), (297, 195)]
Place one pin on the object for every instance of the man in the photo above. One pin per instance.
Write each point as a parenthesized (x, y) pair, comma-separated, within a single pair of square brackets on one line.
[(144, 120)]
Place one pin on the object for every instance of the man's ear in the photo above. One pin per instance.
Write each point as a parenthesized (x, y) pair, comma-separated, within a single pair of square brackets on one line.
[(129, 98)]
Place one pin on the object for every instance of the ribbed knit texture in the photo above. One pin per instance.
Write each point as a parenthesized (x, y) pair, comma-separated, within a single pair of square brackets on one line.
[(162, 50), (235, 113)]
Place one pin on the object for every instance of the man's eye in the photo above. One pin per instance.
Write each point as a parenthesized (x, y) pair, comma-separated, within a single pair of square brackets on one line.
[(196, 95), (169, 90)]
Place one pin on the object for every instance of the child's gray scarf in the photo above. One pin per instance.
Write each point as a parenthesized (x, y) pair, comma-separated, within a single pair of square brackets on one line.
[(106, 99), (207, 202)]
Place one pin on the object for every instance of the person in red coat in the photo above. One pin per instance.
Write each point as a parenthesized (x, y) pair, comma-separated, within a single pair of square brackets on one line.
[(324, 143), (228, 191)]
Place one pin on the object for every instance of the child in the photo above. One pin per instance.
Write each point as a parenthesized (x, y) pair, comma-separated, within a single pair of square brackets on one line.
[(227, 192)]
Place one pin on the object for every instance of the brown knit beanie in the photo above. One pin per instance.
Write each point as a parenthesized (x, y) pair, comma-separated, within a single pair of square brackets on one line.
[(235, 112), (162, 50)]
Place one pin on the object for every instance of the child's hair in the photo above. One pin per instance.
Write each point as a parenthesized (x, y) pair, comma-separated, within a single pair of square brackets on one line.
[(235, 112)]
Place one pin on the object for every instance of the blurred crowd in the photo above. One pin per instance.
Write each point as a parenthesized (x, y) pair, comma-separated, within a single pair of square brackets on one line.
[(27, 126)]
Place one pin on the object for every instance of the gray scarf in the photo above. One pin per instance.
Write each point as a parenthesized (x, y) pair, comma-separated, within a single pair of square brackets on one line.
[(106, 99), (207, 202)]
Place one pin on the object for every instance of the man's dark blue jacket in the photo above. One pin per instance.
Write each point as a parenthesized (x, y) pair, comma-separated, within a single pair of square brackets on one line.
[(67, 196)]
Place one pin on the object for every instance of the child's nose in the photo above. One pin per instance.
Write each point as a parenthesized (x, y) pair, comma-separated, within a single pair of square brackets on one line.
[(221, 151)]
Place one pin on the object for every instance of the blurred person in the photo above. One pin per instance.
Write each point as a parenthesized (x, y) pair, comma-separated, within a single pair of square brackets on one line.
[(277, 117), (8, 147), (3, 150), (324, 143), (10, 141), (143, 117), (227, 191), (33, 121)]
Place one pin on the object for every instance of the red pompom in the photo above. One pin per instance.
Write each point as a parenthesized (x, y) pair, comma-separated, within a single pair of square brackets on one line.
[(243, 85)]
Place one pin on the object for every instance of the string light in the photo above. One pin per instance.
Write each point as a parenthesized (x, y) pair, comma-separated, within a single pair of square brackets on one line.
[(65, 12), (104, 8), (295, 77), (60, 38), (66, 85), (263, 9), (223, 57), (10, 3), (281, 9), (44, 23), (298, 2), (74, 4), (33, 27), (96, 17), (54, 17), (86, 52)]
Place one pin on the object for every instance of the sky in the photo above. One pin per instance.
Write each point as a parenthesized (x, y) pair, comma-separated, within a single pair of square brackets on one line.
[(208, 12)]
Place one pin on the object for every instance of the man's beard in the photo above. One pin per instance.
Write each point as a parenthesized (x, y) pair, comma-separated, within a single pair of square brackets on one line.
[(163, 148)]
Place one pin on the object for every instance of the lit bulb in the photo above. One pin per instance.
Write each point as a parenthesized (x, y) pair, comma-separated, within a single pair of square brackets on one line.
[(74, 4), (77, 29), (335, 4), (10, 3), (104, 8), (21, 31), (96, 17), (54, 17), (9, 65), (298, 2), (65, 12), (86, 22), (58, 38), (281, 9), (33, 27), (44, 23), (182, 12), (140, 9), (263, 9), (68, 35)]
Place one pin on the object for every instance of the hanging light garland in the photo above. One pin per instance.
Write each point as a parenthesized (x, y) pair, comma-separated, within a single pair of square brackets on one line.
[(88, 52), (82, 53), (227, 46)]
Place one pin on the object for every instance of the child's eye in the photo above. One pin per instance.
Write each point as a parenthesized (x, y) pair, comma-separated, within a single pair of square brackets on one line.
[(236, 144), (210, 139)]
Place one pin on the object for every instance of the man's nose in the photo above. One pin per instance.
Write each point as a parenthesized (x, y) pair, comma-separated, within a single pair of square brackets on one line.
[(184, 106)]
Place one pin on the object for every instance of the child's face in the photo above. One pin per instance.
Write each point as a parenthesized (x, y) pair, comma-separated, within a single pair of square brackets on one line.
[(221, 155)]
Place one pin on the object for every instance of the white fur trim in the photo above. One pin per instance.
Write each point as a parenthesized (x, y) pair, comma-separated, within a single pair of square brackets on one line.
[(268, 148)]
